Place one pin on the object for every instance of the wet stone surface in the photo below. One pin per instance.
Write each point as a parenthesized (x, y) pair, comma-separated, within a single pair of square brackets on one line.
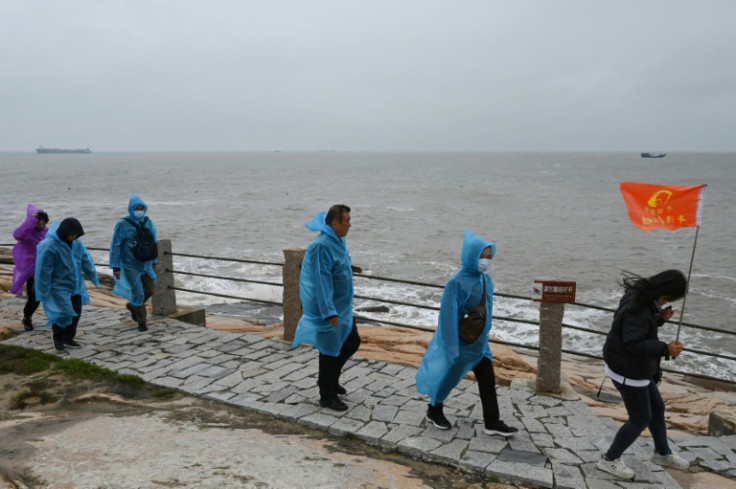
[(558, 440)]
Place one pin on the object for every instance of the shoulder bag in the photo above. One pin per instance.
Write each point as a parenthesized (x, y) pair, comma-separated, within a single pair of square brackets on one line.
[(471, 325)]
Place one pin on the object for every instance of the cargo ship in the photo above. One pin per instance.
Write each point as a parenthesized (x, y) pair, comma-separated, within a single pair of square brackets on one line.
[(653, 155), (41, 149)]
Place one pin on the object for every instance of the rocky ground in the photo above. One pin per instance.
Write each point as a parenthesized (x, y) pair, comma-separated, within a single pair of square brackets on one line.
[(92, 435)]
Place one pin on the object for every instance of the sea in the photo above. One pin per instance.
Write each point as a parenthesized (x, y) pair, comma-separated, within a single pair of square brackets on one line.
[(553, 216)]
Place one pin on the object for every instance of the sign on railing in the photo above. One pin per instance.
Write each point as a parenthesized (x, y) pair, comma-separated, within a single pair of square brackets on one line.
[(553, 291)]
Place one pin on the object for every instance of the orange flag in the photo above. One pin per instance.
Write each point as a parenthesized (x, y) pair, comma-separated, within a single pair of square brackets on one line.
[(662, 206)]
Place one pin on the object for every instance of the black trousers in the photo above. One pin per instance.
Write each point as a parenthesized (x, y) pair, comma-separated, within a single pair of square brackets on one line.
[(31, 303), (486, 378), (330, 367), (68, 333), (148, 288)]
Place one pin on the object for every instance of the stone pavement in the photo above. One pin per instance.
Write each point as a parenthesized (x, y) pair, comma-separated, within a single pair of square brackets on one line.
[(558, 444)]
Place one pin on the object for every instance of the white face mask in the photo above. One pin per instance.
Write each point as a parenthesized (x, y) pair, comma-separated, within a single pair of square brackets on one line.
[(484, 264), (139, 214)]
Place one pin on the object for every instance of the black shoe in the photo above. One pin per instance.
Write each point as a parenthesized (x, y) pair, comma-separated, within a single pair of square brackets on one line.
[(27, 324), (131, 308), (72, 344), (59, 345), (142, 327), (333, 403), (341, 390), (437, 417), (499, 428)]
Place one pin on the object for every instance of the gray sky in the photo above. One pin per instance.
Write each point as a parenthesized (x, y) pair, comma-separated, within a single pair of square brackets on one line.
[(221, 75)]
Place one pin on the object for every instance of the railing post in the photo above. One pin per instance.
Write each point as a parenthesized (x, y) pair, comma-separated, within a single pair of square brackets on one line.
[(164, 295), (292, 303), (553, 295), (550, 347)]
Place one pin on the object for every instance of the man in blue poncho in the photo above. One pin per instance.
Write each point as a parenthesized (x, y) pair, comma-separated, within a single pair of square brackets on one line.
[(61, 260), (134, 279), (448, 358), (326, 292)]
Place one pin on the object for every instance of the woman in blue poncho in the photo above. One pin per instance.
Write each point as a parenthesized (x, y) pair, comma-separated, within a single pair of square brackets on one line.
[(61, 261), (448, 358), (134, 279)]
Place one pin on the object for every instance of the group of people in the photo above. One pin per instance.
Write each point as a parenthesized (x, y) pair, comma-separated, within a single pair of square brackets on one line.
[(52, 263), (632, 351), (327, 322)]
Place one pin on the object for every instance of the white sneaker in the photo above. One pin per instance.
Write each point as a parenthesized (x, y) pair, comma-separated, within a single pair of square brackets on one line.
[(615, 467), (671, 460)]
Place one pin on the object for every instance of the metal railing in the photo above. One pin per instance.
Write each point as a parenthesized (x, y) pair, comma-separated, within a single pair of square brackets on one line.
[(428, 307)]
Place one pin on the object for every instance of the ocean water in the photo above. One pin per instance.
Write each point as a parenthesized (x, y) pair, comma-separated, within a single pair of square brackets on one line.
[(552, 216)]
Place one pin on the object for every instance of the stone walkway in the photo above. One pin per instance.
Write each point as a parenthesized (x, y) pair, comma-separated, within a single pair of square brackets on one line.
[(558, 444)]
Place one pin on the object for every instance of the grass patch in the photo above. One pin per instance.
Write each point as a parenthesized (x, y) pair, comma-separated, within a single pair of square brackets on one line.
[(24, 361)]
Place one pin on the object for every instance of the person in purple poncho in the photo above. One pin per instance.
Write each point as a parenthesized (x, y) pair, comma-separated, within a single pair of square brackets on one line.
[(28, 235)]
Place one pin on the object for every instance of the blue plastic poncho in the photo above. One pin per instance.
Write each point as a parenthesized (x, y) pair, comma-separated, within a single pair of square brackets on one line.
[(59, 269), (326, 290), (129, 285), (448, 359)]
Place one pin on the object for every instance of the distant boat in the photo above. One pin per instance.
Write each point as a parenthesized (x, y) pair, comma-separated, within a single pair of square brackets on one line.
[(41, 149), (653, 155)]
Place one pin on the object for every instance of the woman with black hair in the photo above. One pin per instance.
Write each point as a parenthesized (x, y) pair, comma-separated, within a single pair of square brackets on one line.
[(632, 353)]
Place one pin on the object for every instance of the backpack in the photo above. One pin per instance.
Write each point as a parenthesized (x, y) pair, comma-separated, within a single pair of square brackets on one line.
[(144, 246)]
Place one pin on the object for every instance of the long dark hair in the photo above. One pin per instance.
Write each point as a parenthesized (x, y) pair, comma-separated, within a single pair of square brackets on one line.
[(670, 284)]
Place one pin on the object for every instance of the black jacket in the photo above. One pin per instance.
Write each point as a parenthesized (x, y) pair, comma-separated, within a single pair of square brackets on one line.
[(632, 347)]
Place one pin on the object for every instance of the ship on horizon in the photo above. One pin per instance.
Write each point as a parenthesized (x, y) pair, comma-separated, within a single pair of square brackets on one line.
[(653, 155), (41, 149)]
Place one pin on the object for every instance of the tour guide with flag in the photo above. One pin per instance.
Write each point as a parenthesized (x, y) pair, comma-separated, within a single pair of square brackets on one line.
[(632, 351)]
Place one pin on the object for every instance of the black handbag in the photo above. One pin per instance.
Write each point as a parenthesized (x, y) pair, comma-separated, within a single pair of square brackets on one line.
[(472, 324)]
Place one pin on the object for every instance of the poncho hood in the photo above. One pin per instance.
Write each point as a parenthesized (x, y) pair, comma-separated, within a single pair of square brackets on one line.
[(66, 228), (473, 246), (32, 209), (318, 225), (134, 202)]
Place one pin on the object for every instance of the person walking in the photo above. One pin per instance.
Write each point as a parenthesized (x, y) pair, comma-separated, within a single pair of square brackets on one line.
[(28, 235), (449, 358), (326, 293), (134, 274), (62, 260), (632, 354)]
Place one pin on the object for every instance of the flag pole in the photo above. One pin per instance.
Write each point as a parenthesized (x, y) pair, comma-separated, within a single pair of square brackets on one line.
[(690, 270)]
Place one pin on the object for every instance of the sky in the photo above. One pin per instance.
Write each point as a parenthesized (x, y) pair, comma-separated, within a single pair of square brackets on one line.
[(398, 75)]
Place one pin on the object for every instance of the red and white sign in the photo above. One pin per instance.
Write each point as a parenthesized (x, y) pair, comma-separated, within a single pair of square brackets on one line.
[(553, 291)]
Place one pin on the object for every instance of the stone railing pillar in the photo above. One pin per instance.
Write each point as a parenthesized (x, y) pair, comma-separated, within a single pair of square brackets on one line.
[(164, 296), (550, 347), (292, 303), (553, 295)]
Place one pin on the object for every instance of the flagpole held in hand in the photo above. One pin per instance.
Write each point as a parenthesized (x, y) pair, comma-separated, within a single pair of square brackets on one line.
[(690, 270)]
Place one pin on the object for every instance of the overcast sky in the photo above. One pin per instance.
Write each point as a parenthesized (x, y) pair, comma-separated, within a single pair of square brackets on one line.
[(398, 75)]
